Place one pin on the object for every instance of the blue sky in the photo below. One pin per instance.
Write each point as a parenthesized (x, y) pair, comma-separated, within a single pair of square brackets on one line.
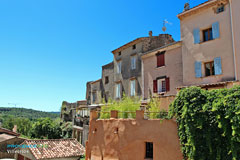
[(49, 49)]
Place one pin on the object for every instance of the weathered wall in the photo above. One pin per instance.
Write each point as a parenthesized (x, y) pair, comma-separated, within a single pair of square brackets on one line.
[(129, 142), (108, 89), (236, 32), (172, 69), (97, 89), (207, 51)]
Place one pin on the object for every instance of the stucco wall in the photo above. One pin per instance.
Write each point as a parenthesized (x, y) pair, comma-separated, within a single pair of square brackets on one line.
[(172, 69), (236, 31), (108, 70), (129, 142), (207, 51)]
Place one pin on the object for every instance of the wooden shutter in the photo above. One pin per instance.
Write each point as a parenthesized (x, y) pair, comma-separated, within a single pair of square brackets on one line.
[(167, 84), (215, 30), (196, 35), (155, 87), (198, 69), (217, 66), (160, 60)]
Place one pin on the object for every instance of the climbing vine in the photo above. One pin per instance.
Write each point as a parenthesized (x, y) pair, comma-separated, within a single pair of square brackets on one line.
[(208, 123)]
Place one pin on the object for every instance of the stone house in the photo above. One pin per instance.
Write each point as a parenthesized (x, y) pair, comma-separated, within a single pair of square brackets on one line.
[(210, 44)]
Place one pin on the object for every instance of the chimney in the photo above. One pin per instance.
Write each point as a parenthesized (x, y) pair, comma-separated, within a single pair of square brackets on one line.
[(186, 6), (150, 33), (14, 128)]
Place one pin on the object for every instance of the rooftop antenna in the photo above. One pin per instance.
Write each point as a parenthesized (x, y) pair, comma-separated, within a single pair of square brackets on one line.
[(187, 6), (14, 104), (164, 28)]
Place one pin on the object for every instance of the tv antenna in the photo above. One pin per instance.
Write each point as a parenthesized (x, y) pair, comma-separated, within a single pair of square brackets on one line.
[(164, 28), (14, 104)]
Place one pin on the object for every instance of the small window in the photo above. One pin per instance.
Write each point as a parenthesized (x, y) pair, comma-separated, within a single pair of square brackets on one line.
[(119, 67), (207, 35), (118, 90), (149, 150), (209, 69), (119, 53), (160, 59), (220, 9), (133, 62), (134, 46), (106, 80), (161, 85), (94, 97), (133, 87)]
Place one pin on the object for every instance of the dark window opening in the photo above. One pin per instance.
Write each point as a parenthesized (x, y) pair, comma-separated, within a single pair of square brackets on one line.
[(134, 46), (106, 80), (220, 9), (160, 60), (119, 53), (209, 69), (149, 150), (207, 35)]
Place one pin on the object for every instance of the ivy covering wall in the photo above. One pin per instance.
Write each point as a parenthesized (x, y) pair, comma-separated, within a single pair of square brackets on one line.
[(208, 123)]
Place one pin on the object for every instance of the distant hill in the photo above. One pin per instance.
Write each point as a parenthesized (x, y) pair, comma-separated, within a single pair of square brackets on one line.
[(28, 113)]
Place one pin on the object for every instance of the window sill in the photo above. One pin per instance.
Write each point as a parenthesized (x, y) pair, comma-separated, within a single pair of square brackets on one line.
[(161, 93), (203, 42), (211, 76), (160, 67)]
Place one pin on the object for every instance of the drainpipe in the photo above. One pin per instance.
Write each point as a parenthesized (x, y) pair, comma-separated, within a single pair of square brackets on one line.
[(233, 41)]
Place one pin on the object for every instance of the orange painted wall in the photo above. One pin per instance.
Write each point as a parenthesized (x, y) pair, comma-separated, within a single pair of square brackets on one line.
[(129, 142)]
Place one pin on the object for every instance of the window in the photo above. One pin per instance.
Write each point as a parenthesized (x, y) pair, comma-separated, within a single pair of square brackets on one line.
[(94, 97), (119, 53), (161, 85), (160, 59), (149, 150), (133, 62), (106, 80), (209, 69), (207, 35), (118, 91), (220, 9), (119, 66), (134, 46), (133, 87)]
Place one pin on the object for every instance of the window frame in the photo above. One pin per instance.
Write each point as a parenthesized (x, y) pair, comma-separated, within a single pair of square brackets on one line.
[(133, 65), (119, 67), (149, 150), (134, 47), (220, 9), (210, 34), (106, 79), (160, 62), (132, 80), (160, 87), (212, 68), (118, 90)]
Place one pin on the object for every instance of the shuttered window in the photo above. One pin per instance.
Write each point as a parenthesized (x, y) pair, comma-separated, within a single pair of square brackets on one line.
[(196, 35), (133, 87), (119, 67), (209, 69), (218, 65), (198, 69), (133, 62), (215, 30), (118, 90), (161, 85), (207, 35), (160, 59)]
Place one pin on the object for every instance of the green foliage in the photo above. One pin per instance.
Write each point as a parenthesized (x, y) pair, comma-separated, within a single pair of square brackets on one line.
[(27, 113), (66, 128), (154, 106), (127, 104), (208, 123), (46, 128)]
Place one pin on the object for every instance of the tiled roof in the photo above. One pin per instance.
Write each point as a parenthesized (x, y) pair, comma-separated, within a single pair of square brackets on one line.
[(4, 137), (9, 132), (56, 148)]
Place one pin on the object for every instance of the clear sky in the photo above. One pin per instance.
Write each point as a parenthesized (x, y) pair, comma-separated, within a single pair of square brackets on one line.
[(49, 49)]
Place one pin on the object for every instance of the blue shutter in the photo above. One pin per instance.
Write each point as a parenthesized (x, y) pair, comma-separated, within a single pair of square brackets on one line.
[(196, 35), (217, 66), (198, 69), (215, 30)]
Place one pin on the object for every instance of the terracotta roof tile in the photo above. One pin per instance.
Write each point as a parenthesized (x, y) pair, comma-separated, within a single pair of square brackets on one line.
[(56, 148)]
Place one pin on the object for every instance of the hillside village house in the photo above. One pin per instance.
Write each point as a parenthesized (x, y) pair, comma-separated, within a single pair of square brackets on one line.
[(124, 74), (210, 44)]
